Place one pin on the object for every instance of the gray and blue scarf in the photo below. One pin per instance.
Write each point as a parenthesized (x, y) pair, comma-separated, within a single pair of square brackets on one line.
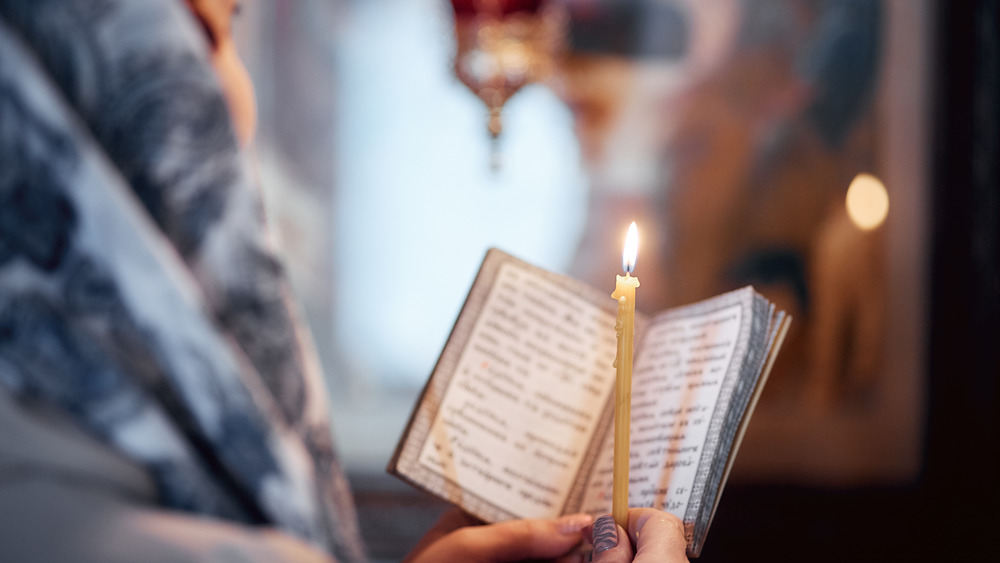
[(139, 292)]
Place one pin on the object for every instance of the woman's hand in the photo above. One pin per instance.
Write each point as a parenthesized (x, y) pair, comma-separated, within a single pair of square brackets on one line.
[(455, 537), (657, 536)]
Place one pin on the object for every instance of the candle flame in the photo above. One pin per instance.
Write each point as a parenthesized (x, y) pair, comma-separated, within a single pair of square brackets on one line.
[(631, 249)]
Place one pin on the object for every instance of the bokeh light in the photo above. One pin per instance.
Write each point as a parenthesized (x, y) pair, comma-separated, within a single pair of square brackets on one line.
[(867, 201)]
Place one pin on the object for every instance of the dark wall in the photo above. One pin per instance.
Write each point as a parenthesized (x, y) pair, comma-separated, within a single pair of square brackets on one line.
[(952, 513), (963, 442)]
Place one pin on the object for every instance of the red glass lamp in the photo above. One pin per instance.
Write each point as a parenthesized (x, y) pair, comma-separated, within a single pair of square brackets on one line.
[(502, 45)]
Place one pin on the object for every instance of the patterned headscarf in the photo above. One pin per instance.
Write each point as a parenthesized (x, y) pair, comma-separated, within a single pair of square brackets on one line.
[(139, 292)]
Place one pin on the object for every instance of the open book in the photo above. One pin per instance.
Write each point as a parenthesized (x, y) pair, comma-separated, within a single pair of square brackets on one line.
[(516, 419)]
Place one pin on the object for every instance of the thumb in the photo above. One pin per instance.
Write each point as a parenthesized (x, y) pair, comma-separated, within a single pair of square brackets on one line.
[(611, 542), (658, 537)]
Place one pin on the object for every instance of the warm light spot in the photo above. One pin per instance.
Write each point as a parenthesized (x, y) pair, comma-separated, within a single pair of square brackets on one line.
[(867, 201), (631, 249)]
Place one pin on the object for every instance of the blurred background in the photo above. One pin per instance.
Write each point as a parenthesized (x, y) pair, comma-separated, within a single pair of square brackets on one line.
[(839, 155)]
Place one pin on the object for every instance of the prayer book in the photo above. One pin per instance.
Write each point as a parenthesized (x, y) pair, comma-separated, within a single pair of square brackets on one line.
[(516, 419)]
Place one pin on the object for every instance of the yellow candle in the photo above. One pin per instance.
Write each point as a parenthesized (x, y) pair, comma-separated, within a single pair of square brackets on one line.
[(625, 329)]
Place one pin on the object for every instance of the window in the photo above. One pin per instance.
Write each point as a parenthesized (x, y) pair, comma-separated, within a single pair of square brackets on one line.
[(385, 237)]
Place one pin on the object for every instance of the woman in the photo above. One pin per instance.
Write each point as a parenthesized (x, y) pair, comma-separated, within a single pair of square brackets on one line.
[(158, 400)]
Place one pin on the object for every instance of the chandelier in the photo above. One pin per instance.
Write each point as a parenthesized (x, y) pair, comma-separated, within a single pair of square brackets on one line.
[(503, 45)]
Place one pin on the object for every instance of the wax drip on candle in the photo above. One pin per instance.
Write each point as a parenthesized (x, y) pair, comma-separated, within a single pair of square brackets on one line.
[(625, 287)]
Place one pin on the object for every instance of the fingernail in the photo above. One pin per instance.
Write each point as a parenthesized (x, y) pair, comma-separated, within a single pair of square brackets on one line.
[(573, 523), (605, 534)]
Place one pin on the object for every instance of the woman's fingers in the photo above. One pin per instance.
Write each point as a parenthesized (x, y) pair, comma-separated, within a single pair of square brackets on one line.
[(657, 536), (611, 542), (450, 521), (514, 540)]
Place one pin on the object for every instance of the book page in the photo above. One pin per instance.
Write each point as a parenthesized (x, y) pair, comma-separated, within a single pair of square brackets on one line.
[(529, 386), (516, 419), (677, 378)]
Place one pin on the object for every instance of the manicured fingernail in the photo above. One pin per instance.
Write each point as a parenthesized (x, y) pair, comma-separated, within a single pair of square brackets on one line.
[(605, 534), (573, 523)]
